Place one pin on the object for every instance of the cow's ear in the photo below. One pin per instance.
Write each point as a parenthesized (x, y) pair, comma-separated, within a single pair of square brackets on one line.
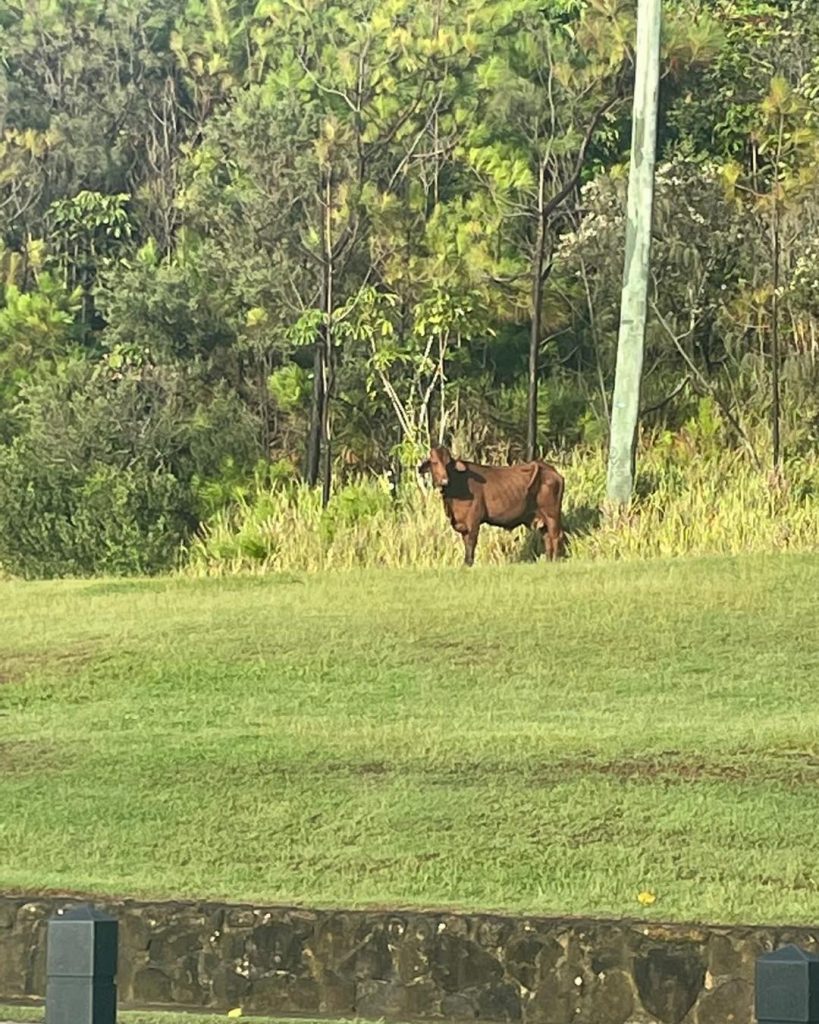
[(424, 466), (460, 466)]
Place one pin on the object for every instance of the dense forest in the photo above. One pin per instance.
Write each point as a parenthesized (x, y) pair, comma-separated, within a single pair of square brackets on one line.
[(258, 245)]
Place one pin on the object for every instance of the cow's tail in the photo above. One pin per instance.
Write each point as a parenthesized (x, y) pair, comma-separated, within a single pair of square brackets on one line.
[(557, 481), (561, 483)]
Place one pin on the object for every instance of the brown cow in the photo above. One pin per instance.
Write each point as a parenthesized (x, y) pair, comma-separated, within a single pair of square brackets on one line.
[(528, 494)]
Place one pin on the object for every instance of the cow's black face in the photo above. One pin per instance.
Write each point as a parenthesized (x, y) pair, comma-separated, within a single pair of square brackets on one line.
[(439, 462), (441, 466)]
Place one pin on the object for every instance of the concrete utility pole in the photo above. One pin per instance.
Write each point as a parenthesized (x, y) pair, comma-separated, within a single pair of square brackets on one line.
[(631, 338)]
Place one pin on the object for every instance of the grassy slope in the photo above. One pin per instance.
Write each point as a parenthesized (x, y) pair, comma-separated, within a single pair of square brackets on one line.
[(547, 738)]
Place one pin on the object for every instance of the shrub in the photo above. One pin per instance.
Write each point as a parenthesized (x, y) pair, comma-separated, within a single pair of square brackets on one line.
[(103, 475), (64, 521)]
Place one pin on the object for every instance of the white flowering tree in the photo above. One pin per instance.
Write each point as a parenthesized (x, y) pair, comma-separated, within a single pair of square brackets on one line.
[(705, 252)]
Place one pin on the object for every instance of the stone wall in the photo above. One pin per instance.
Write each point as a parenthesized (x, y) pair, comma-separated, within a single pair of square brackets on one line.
[(407, 965)]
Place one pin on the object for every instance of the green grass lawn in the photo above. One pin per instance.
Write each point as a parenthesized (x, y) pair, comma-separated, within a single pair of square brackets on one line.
[(552, 739)]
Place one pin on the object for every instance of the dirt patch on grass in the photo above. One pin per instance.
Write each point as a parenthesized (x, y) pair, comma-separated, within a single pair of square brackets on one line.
[(105, 587), (675, 767), (659, 768), (667, 768), (21, 758), (789, 771), (671, 768), (17, 666)]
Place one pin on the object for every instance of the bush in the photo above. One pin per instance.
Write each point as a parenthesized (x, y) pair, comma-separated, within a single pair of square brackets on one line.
[(61, 521), (104, 476)]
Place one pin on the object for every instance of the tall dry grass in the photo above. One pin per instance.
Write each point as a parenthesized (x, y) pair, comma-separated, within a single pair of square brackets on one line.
[(694, 497)]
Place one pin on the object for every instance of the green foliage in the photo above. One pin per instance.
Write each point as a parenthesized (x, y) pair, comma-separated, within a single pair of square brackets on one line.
[(85, 232), (697, 496), (102, 475), (289, 386), (37, 328), (230, 194), (59, 520), (717, 110), (94, 104), (39, 323), (164, 312)]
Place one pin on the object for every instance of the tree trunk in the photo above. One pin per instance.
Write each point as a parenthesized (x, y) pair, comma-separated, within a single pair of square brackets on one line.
[(537, 318), (316, 415), (263, 368), (329, 370), (319, 459), (775, 397), (327, 336)]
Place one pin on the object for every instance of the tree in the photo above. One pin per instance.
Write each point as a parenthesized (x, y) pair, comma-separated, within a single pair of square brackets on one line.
[(706, 251), (85, 233), (86, 83), (788, 149), (348, 96), (106, 467), (545, 92), (712, 109)]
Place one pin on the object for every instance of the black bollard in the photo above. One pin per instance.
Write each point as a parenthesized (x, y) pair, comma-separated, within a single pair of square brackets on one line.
[(81, 968), (787, 987)]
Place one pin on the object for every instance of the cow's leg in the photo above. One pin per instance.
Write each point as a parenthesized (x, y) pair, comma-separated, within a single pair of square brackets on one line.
[(464, 530), (470, 540), (552, 537)]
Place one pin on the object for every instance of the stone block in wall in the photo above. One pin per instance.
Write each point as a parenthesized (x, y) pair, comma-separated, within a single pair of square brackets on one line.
[(527, 955), (499, 1002), (730, 1003), (22, 948), (273, 944), (457, 962), (670, 977), (413, 946), (608, 999), (379, 998), (289, 994), (733, 953), (152, 986), (336, 995)]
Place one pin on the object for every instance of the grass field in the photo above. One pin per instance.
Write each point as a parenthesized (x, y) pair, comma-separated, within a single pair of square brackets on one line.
[(553, 739)]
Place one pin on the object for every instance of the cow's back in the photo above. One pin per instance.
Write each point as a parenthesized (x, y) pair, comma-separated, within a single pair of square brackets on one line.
[(508, 493)]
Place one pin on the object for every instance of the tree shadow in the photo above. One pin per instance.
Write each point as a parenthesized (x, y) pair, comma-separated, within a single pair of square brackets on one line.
[(530, 548), (645, 484), (582, 519), (579, 522)]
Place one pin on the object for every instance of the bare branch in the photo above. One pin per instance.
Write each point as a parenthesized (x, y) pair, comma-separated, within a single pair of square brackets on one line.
[(574, 178), (326, 89), (705, 384), (668, 398)]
